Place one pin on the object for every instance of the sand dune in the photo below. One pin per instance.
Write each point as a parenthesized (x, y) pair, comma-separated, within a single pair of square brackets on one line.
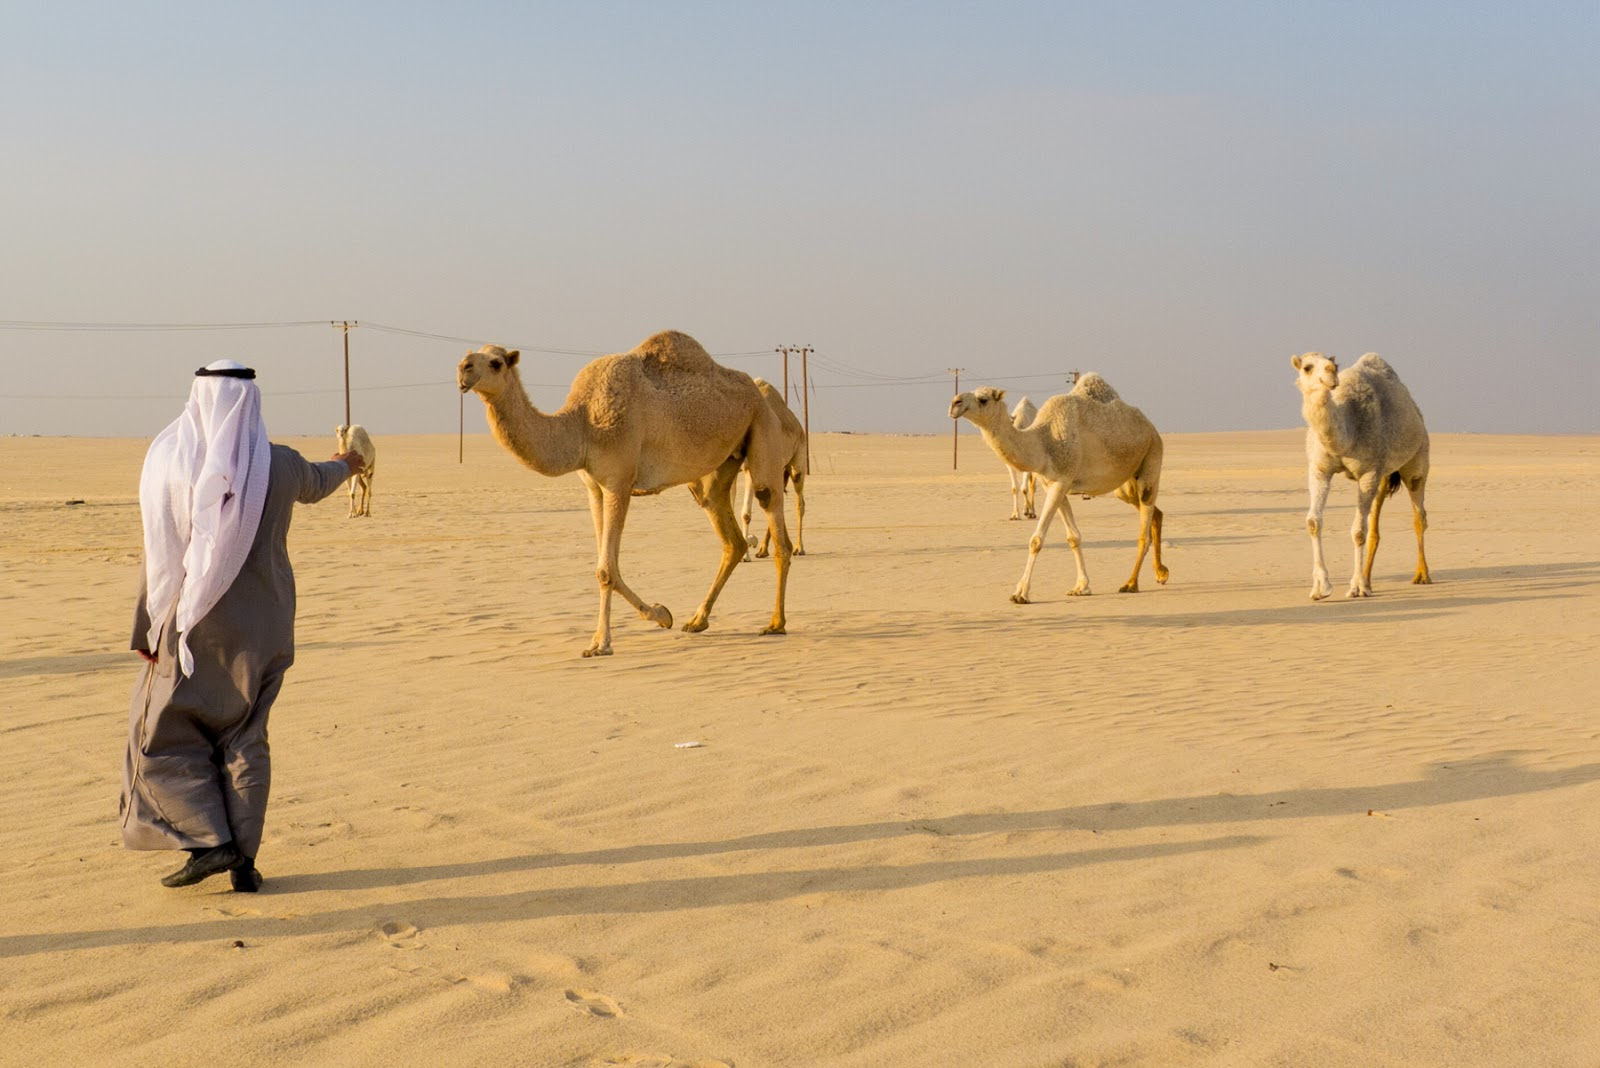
[(1212, 823)]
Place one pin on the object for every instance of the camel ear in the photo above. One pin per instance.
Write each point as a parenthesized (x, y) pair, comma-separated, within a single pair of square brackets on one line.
[(511, 357), (999, 395), (1294, 361)]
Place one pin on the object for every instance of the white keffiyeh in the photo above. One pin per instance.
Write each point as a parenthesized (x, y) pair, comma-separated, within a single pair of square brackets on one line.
[(201, 493)]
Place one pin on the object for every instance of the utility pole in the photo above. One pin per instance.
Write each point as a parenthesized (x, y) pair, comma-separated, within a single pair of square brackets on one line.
[(785, 350), (1072, 377), (346, 325), (805, 398), (955, 425)]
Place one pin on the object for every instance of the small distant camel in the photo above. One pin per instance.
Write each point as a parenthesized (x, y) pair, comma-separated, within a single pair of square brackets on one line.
[(665, 414), (1024, 484), (1089, 442), (1362, 423), (356, 439), (795, 468)]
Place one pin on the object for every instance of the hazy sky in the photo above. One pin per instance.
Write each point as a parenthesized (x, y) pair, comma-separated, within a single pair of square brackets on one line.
[(1177, 195)]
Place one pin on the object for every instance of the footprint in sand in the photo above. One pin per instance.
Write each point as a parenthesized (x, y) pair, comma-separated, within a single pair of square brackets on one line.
[(594, 1003), (400, 935)]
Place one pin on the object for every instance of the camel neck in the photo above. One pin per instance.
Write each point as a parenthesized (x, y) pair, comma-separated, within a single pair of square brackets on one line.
[(550, 444), (1327, 417), (1019, 448)]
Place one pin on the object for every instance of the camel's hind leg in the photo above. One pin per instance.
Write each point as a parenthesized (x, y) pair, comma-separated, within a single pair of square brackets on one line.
[(1018, 481), (716, 497), (1136, 494), (611, 510), (744, 515), (1419, 520), (1030, 494), (798, 481), (1370, 492)]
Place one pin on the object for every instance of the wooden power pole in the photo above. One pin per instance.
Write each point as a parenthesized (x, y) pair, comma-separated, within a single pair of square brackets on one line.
[(955, 425), (346, 325)]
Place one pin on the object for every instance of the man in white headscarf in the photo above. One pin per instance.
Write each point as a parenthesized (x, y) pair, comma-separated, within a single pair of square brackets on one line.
[(215, 626)]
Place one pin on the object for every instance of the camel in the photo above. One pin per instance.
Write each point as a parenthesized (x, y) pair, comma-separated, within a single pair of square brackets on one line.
[(795, 468), (356, 439), (1360, 422), (636, 423), (1087, 441), (1024, 484)]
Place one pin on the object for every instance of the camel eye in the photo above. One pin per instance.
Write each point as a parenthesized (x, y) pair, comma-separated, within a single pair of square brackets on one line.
[(495, 364), (983, 400)]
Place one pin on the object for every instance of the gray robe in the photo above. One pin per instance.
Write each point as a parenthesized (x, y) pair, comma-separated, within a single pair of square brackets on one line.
[(198, 769)]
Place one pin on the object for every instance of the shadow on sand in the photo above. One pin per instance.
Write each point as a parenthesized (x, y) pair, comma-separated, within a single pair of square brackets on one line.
[(1478, 780)]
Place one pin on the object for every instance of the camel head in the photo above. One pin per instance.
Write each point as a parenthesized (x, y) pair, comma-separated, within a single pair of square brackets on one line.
[(1316, 371), (341, 438), (486, 371), (982, 406)]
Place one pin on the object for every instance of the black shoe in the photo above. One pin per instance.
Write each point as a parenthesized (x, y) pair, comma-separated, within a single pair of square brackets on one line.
[(246, 877), (203, 864)]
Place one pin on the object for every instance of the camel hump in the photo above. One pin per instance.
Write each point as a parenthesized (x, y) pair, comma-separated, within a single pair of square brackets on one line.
[(672, 350), (1095, 388), (1374, 364)]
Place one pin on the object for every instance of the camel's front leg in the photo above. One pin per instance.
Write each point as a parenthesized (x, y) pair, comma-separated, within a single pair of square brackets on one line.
[(1053, 496), (1319, 482), (613, 514), (1017, 478), (1364, 533), (1030, 483)]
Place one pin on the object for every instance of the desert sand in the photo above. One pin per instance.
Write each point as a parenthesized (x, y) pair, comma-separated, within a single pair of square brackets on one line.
[(1211, 823)]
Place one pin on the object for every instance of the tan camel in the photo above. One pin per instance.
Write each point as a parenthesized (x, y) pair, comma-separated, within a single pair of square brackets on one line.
[(1362, 423), (1089, 442), (795, 435), (665, 414), (356, 439)]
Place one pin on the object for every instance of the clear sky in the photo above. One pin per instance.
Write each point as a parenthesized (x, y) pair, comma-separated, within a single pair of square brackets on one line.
[(1177, 195)]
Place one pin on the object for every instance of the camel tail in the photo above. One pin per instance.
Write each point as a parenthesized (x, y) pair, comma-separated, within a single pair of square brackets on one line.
[(1394, 481)]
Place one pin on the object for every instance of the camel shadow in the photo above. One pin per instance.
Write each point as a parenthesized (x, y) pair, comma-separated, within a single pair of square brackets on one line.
[(1335, 611), (68, 664)]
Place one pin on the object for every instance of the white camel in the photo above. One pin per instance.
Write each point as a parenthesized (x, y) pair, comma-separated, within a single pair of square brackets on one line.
[(1024, 484), (665, 414), (1089, 442), (1362, 423), (356, 439), (795, 468)]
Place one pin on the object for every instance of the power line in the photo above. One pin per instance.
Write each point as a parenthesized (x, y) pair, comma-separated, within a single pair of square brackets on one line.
[(17, 324)]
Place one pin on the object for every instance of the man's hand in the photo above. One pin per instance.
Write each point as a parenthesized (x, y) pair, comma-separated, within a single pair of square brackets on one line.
[(352, 460), (148, 657)]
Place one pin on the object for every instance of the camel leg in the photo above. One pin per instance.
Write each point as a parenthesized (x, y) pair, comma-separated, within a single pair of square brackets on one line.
[(1030, 491), (614, 513), (1053, 496), (716, 499), (1371, 553), (799, 483), (1162, 574), (352, 498), (783, 550), (1419, 520), (1368, 498), (746, 512), (1016, 492), (1075, 543), (1147, 520), (1319, 483)]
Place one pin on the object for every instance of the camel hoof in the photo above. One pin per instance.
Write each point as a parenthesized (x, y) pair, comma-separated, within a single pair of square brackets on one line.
[(1357, 591), (771, 629), (1078, 591), (1128, 587), (1020, 598), (659, 615), (1163, 575), (696, 625), (1422, 580), (799, 552), (597, 650), (762, 554)]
